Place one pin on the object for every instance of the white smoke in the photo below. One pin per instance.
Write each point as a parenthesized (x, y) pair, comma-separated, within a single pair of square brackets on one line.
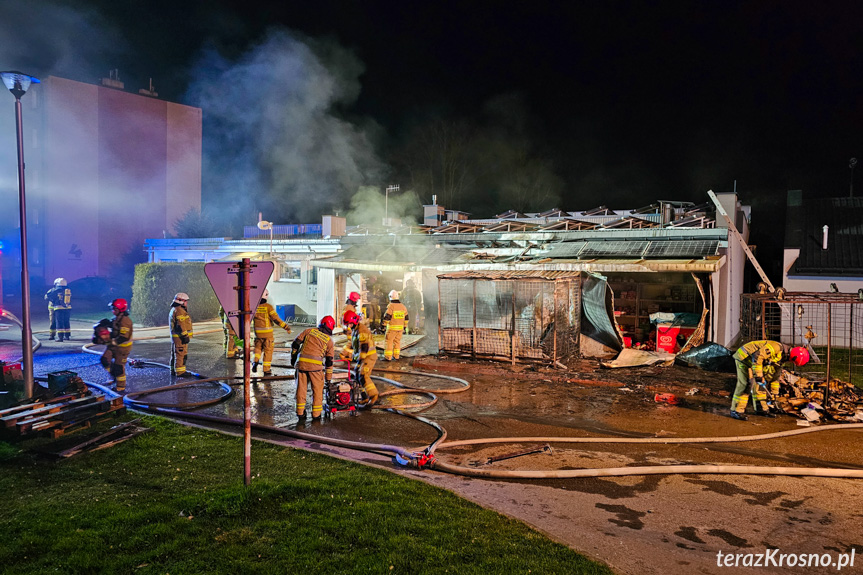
[(370, 205), (275, 139)]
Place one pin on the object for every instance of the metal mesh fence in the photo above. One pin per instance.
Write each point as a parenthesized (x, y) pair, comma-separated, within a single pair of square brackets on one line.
[(510, 319), (829, 324)]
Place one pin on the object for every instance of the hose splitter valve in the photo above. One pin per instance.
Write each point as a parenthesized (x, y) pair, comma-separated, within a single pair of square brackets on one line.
[(418, 460)]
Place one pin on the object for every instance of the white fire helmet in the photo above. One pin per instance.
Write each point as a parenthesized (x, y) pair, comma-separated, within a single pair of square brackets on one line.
[(394, 295), (60, 282), (181, 298)]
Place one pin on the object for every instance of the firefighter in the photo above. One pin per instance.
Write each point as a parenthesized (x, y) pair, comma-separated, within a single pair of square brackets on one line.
[(755, 360), (231, 349), (395, 321), (363, 354), (181, 333), (119, 346), (312, 356), (265, 317), (413, 300), (59, 309), (352, 304)]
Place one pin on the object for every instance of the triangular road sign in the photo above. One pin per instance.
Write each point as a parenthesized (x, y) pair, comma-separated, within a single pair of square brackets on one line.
[(225, 277)]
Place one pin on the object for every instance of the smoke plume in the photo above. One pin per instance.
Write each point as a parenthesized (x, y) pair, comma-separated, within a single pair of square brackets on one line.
[(274, 138)]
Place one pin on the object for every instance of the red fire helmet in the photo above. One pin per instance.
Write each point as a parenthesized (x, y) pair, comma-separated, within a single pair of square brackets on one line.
[(350, 318), (328, 322), (800, 356)]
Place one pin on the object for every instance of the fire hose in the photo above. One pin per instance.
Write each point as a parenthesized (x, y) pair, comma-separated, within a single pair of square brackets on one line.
[(426, 458)]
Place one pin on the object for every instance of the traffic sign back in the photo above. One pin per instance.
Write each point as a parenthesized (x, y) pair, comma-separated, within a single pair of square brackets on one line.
[(225, 278)]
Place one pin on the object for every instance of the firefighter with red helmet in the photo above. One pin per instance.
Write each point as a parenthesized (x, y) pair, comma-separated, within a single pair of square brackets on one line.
[(180, 324), (363, 354), (756, 362), (119, 343), (312, 356), (396, 321), (265, 317), (352, 304)]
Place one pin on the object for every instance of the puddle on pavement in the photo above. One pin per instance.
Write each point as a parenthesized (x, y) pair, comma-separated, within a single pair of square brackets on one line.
[(626, 517)]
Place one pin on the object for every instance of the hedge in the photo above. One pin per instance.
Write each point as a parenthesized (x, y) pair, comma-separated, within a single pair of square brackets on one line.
[(156, 284)]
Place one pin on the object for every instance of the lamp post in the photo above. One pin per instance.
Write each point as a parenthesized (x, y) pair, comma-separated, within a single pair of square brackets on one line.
[(18, 83), (851, 163)]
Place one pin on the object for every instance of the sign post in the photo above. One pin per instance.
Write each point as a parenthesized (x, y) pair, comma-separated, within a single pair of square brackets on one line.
[(233, 284)]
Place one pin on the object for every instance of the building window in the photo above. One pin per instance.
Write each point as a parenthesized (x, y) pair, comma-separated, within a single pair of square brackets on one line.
[(289, 271), (312, 276)]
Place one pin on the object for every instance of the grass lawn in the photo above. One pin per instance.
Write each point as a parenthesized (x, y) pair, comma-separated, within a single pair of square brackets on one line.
[(173, 501)]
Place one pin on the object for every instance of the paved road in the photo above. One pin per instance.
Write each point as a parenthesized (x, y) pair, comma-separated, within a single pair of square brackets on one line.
[(638, 525)]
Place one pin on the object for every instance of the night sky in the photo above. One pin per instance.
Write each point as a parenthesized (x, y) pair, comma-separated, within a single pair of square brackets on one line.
[(627, 101)]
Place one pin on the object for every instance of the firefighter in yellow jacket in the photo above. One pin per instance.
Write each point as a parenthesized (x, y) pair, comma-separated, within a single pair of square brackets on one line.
[(396, 321), (352, 304), (755, 361), (230, 345), (181, 333), (118, 348), (361, 350), (265, 317), (312, 356)]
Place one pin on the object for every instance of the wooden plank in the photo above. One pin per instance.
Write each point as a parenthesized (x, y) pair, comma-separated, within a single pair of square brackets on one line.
[(63, 414), (37, 404), (99, 438), (99, 443), (12, 420)]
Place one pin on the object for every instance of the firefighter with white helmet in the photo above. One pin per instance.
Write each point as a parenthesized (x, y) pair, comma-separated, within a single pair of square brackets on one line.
[(59, 309), (180, 325), (265, 317), (119, 345), (396, 321)]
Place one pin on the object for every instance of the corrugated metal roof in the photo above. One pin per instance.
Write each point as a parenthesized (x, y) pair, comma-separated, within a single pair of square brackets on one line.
[(511, 275)]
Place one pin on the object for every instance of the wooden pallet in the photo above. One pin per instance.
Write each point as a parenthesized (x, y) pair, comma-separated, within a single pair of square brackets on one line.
[(59, 415), (115, 435)]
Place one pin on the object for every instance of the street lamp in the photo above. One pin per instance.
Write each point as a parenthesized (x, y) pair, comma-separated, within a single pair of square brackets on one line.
[(18, 83), (851, 163)]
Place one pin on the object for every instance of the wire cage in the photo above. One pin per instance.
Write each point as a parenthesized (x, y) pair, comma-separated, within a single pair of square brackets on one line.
[(830, 325), (510, 316)]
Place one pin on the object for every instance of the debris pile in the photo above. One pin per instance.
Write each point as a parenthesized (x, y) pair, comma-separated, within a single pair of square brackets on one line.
[(816, 401)]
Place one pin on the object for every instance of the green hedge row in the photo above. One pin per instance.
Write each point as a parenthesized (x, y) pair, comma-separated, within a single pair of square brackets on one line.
[(157, 283)]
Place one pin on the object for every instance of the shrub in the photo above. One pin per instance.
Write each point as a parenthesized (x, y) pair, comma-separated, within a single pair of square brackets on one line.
[(157, 283)]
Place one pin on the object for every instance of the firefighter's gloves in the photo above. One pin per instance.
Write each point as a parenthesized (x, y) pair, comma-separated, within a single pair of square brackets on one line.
[(184, 339), (294, 355), (287, 328)]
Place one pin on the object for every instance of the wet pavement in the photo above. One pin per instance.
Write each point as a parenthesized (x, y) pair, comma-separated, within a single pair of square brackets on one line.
[(640, 524)]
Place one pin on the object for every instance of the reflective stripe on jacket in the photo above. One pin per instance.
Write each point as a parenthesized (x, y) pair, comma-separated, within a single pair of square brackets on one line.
[(396, 317), (265, 317), (179, 322), (316, 351), (758, 354)]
